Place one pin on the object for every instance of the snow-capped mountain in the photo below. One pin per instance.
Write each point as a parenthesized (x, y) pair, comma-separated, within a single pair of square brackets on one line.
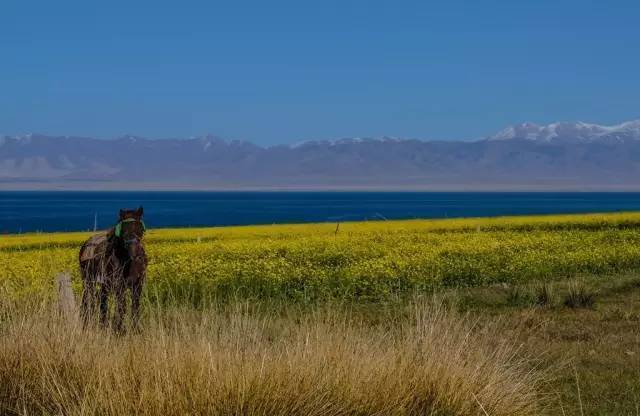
[(526, 156), (571, 131), (346, 140)]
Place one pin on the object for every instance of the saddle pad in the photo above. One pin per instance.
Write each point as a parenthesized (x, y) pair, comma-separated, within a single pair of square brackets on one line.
[(96, 246)]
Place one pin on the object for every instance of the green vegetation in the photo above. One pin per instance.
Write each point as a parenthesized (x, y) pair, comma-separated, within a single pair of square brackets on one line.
[(362, 261)]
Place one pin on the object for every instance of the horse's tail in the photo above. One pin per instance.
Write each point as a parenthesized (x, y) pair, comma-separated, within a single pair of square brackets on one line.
[(84, 263)]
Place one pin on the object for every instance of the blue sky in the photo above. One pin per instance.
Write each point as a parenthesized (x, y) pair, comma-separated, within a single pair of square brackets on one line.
[(279, 72)]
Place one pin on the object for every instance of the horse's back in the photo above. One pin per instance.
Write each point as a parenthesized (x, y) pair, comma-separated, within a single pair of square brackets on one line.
[(95, 247), (96, 258)]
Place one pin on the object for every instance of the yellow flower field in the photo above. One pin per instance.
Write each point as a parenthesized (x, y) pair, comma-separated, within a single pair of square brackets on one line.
[(365, 260)]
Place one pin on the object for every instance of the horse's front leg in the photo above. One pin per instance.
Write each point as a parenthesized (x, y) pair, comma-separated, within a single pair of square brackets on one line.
[(121, 306), (136, 292)]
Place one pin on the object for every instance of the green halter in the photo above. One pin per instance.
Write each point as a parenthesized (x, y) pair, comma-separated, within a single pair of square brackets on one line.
[(118, 230)]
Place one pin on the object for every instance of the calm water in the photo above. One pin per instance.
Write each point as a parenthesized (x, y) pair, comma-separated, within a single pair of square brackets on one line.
[(56, 211)]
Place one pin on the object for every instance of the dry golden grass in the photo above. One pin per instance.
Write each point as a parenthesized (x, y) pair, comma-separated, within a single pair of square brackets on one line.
[(243, 359)]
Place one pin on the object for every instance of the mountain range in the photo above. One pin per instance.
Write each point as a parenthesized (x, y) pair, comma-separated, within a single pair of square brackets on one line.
[(527, 156)]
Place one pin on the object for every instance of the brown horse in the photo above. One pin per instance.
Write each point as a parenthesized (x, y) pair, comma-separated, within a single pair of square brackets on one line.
[(112, 262)]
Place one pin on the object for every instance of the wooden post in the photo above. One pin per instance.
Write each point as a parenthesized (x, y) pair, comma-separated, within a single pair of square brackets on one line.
[(66, 299)]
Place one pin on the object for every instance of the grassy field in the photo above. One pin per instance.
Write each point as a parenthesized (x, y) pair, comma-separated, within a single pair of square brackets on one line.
[(505, 316), (363, 261), (591, 351)]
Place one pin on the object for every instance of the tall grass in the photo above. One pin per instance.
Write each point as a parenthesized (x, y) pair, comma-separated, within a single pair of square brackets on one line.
[(241, 359)]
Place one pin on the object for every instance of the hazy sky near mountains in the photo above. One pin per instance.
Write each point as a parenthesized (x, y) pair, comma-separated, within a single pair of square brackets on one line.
[(279, 72)]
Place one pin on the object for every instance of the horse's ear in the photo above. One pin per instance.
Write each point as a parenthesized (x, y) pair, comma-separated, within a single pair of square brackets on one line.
[(121, 214), (140, 211)]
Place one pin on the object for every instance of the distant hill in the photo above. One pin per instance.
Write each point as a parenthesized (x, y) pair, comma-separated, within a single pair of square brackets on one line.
[(525, 156)]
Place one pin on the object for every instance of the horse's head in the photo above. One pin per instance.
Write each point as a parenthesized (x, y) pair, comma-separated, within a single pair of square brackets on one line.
[(130, 230)]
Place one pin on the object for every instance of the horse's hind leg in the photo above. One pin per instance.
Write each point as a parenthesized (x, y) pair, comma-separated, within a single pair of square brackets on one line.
[(87, 307), (89, 295), (104, 305)]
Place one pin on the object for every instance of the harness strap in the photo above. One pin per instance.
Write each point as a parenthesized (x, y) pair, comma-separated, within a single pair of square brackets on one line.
[(118, 230)]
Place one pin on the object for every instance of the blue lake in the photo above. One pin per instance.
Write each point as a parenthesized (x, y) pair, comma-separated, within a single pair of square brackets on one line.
[(62, 211)]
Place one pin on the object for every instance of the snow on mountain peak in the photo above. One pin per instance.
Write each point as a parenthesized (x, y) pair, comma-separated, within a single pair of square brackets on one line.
[(575, 131), (346, 141)]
